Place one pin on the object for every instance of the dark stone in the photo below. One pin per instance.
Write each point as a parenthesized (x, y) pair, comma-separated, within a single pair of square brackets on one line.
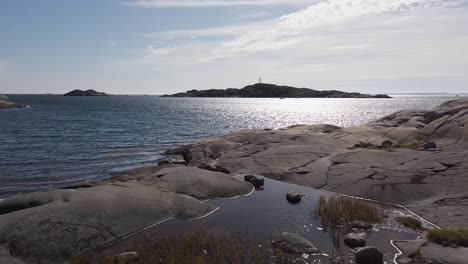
[(85, 93), (363, 145), (353, 240), (256, 182), (387, 143), (361, 225), (429, 145), (369, 255), (265, 90), (293, 197), (294, 243)]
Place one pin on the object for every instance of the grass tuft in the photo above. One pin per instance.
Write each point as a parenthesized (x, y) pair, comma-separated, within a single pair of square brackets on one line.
[(338, 213), (199, 247), (449, 237)]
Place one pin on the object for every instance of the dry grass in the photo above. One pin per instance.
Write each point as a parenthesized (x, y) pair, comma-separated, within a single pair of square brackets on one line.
[(410, 222), (449, 237), (338, 213), (198, 247)]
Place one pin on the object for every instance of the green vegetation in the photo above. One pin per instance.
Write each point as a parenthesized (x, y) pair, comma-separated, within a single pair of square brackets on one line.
[(410, 222), (199, 247), (338, 213), (449, 237)]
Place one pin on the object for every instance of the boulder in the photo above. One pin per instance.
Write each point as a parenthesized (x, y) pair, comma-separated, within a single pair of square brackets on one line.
[(387, 143), (361, 225), (429, 145), (294, 243), (369, 255), (255, 181), (293, 197), (353, 240)]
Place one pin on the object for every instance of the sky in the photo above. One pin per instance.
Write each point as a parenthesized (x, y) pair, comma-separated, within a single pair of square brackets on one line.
[(169, 46)]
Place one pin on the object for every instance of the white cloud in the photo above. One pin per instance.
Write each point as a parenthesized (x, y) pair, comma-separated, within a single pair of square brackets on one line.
[(333, 44), (211, 3), (256, 14)]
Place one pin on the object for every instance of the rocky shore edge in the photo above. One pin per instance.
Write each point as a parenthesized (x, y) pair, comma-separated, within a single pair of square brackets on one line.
[(416, 158), (5, 103)]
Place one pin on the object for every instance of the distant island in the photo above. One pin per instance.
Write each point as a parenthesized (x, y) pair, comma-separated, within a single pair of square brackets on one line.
[(85, 93), (6, 103), (265, 90)]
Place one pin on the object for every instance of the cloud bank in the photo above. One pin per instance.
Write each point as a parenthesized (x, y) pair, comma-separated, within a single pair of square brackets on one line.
[(335, 43)]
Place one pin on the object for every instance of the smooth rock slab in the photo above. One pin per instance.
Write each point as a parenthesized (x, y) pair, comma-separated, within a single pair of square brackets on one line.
[(436, 254)]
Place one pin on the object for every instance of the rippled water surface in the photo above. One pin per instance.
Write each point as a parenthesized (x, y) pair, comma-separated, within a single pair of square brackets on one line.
[(60, 140)]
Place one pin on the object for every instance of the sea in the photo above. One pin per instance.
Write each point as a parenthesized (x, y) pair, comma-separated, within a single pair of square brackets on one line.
[(59, 140)]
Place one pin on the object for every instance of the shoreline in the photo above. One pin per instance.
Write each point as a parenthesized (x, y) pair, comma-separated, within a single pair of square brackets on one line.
[(385, 160)]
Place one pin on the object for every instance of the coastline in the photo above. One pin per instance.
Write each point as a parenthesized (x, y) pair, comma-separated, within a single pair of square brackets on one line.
[(350, 161)]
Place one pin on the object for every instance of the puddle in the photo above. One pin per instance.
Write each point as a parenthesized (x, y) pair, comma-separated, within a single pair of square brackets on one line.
[(265, 214)]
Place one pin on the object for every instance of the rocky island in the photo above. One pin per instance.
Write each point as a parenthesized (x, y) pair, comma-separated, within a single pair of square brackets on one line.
[(85, 93), (6, 103), (415, 158), (264, 90)]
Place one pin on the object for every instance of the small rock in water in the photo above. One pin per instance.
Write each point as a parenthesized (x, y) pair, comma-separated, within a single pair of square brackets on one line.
[(294, 243), (369, 255), (429, 146), (353, 240), (404, 260), (293, 197), (361, 225), (256, 182), (387, 143), (126, 257)]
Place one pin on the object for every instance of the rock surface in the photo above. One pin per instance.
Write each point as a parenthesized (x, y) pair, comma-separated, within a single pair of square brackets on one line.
[(436, 254), (294, 243), (49, 227), (353, 240), (85, 93), (293, 197), (265, 90), (434, 184), (5, 103), (369, 255)]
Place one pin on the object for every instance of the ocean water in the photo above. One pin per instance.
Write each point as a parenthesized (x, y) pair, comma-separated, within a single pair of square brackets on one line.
[(61, 140)]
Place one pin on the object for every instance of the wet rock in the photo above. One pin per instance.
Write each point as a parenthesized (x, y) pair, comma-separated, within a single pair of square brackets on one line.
[(361, 225), (387, 143), (353, 240), (126, 257), (429, 146), (294, 243), (255, 181), (404, 260), (369, 255), (293, 197)]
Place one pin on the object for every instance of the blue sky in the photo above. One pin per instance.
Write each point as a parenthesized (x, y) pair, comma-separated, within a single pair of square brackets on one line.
[(167, 46)]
